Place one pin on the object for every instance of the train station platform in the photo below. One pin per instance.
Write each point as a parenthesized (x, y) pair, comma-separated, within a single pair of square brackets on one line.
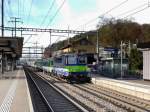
[(138, 88), (14, 92)]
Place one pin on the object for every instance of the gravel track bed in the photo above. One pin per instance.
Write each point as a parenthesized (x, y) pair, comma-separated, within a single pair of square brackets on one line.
[(94, 102), (93, 96), (136, 101), (97, 103)]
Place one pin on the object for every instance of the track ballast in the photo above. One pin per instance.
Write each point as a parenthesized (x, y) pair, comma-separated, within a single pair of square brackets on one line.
[(46, 98)]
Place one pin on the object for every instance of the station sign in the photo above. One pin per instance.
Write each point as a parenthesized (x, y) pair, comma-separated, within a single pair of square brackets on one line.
[(110, 49)]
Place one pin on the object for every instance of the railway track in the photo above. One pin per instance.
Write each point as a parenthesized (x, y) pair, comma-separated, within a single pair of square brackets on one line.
[(130, 104), (37, 96), (49, 98), (135, 101), (92, 94)]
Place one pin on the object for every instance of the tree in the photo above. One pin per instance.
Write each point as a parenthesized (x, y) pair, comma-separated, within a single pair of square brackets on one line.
[(136, 60)]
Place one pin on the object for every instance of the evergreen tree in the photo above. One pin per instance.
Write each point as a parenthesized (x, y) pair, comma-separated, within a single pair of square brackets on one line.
[(136, 60)]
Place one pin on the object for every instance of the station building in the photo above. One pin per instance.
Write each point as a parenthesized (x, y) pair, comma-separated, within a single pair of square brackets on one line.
[(10, 52)]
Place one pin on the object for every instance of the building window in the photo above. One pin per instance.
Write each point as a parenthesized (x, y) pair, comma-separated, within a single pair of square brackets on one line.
[(83, 42)]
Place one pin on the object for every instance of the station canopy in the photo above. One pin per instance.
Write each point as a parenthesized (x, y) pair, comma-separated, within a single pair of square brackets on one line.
[(11, 46)]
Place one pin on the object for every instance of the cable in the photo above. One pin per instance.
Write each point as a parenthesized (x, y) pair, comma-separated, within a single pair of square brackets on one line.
[(21, 9), (25, 12), (56, 13), (27, 39), (132, 9), (7, 12), (136, 12), (51, 20), (58, 38), (115, 7), (10, 9), (30, 12), (49, 10), (18, 7)]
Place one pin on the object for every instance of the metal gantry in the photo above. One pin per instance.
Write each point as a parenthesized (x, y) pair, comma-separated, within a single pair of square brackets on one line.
[(33, 50), (43, 30)]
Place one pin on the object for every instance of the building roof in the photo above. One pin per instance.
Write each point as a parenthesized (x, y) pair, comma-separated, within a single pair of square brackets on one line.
[(12, 46), (80, 39), (68, 46), (144, 45), (75, 42)]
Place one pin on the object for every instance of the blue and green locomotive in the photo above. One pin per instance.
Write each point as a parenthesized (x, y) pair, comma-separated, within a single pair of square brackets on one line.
[(72, 67)]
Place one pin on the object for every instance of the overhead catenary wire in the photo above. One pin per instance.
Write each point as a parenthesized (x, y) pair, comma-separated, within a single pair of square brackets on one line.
[(7, 12), (49, 10), (53, 17), (21, 9), (10, 9), (18, 7), (110, 10), (27, 39), (28, 19), (131, 10), (58, 38), (117, 6), (136, 12), (51, 20), (30, 35)]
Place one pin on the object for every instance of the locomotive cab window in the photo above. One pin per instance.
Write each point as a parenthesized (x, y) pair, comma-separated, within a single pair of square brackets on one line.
[(82, 60), (71, 60)]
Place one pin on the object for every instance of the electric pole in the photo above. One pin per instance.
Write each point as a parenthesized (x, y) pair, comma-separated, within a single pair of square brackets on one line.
[(21, 32), (50, 39), (2, 31), (15, 20), (97, 45), (121, 58), (36, 47), (68, 40), (2, 18), (68, 35)]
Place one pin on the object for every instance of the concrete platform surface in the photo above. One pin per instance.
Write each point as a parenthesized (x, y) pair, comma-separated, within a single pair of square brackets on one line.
[(14, 92), (138, 88)]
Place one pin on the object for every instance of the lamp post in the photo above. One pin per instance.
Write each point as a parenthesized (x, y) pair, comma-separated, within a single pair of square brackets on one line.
[(121, 59), (97, 45), (2, 17)]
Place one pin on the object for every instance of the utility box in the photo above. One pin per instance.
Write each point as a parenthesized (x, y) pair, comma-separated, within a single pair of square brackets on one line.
[(146, 64), (145, 48)]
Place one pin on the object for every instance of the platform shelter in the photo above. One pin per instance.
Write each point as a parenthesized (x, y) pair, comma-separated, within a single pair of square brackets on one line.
[(10, 52)]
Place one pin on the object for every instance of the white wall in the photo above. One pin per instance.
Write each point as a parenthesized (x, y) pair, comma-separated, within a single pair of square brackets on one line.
[(146, 65)]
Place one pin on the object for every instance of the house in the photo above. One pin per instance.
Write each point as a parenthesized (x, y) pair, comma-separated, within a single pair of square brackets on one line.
[(82, 45), (47, 52)]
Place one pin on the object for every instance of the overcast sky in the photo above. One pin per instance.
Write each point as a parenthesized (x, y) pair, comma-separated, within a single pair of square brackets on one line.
[(74, 13)]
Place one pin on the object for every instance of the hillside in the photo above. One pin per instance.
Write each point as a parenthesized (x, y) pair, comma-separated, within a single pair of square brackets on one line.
[(111, 34)]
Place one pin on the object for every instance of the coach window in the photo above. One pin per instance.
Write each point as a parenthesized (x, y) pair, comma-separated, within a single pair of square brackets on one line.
[(72, 60)]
